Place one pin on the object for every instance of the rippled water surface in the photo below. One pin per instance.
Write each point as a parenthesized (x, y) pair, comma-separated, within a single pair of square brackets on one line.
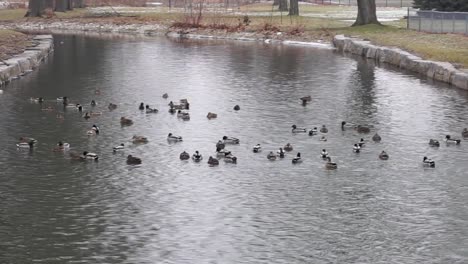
[(54, 210)]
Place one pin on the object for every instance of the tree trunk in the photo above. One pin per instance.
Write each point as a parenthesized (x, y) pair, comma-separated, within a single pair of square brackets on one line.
[(367, 13), (276, 2), (283, 5), (35, 8), (78, 4), (69, 4), (294, 7), (60, 5)]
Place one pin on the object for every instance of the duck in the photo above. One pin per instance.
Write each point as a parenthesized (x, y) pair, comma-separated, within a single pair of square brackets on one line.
[(230, 159), (171, 137), (125, 121), (376, 137), (428, 162), (93, 103), (27, 140), (86, 116), (281, 153), (212, 161), (362, 129), (295, 129), (220, 145), (222, 152), (176, 107), (297, 159), (449, 140), (356, 148), (313, 131), (89, 155), (112, 106), (306, 99), (230, 140), (184, 156), (80, 108), (197, 157), (133, 160), (36, 100), (331, 165), (151, 110), (257, 148), (383, 155), (211, 115), (288, 147), (139, 139), (324, 154), (434, 143), (183, 115), (184, 104), (361, 143), (172, 110), (95, 129), (142, 106), (236, 107), (25, 145), (345, 125), (271, 156), (118, 147), (165, 96), (323, 138), (324, 129), (61, 146), (465, 133)]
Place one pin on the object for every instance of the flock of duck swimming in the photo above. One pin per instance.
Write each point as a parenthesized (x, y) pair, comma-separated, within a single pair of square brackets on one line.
[(221, 152)]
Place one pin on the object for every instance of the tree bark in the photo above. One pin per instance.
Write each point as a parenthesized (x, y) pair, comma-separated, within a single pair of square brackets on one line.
[(283, 5), (69, 4), (367, 13), (276, 2), (36, 8), (293, 7), (60, 5), (78, 4)]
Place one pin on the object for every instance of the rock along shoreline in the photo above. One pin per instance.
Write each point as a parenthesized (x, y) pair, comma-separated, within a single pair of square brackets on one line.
[(441, 71), (27, 61)]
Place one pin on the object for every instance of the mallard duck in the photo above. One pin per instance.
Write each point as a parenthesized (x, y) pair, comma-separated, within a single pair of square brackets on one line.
[(112, 106), (222, 153), (211, 115), (87, 116), (295, 129), (172, 110), (36, 100), (306, 99), (133, 160), (220, 145), (118, 147), (356, 148), (376, 138), (449, 140), (165, 96), (171, 137), (93, 103), (230, 140), (125, 121), (236, 107), (184, 156), (197, 157), (297, 159), (271, 156), (183, 115), (383, 155), (288, 147), (428, 162), (230, 159), (27, 140), (212, 161), (465, 133), (139, 139), (281, 153), (313, 132), (150, 110), (61, 146), (184, 104), (324, 129), (142, 106), (331, 165), (324, 154), (257, 148), (323, 138), (25, 145), (95, 129), (345, 125), (362, 129), (434, 143), (89, 155), (361, 143)]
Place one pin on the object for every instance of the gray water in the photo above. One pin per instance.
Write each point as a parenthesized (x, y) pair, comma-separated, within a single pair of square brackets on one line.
[(55, 210)]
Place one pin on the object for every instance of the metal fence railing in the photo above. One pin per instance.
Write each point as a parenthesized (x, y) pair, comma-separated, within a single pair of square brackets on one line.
[(438, 22)]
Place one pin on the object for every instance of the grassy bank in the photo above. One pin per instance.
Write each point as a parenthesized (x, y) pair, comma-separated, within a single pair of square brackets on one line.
[(12, 43), (315, 23)]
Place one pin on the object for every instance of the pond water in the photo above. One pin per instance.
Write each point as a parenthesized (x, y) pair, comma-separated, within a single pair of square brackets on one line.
[(55, 210)]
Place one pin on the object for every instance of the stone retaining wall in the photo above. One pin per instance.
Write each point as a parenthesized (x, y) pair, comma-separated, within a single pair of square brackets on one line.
[(27, 61), (441, 71)]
